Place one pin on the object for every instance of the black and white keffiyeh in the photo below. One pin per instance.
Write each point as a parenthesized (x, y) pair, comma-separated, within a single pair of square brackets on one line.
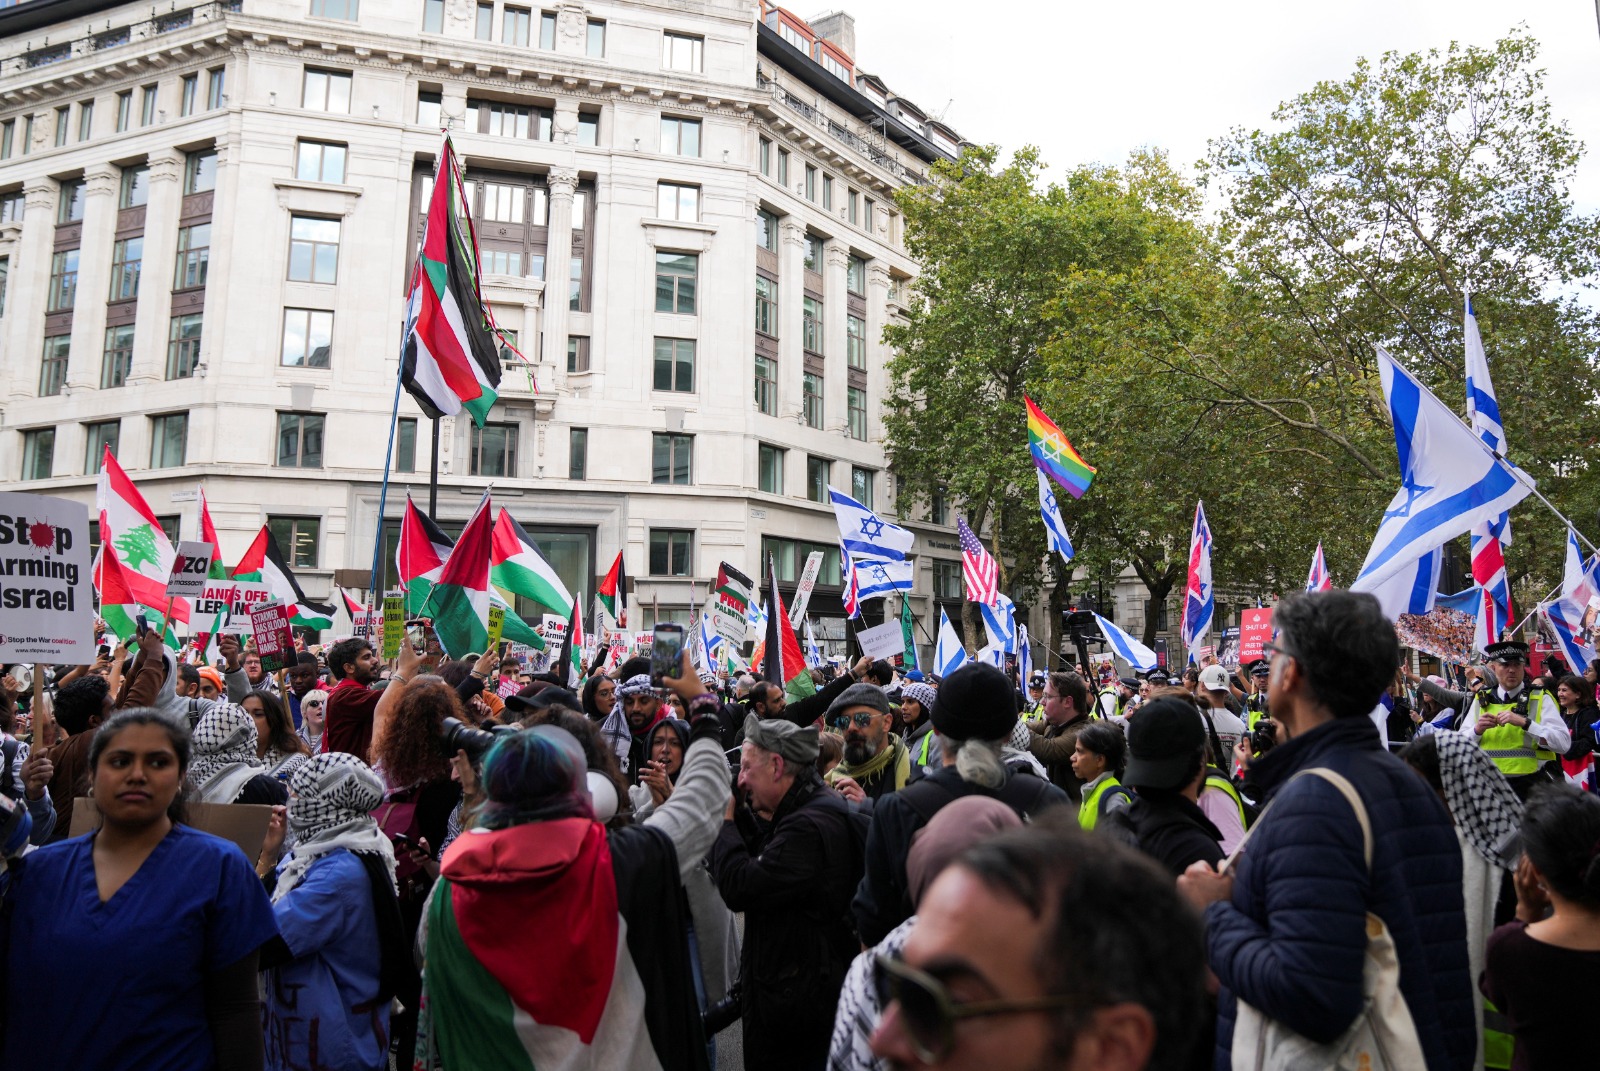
[(1485, 809), (334, 796), (224, 741)]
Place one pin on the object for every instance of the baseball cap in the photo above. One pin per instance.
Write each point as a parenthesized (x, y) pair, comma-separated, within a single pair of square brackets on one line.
[(1214, 679), (1163, 740)]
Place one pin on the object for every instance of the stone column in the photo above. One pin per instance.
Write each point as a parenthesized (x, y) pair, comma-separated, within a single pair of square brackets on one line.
[(563, 183), (94, 276), (150, 324), (836, 416), (29, 284), (791, 319), (877, 353), (224, 241)]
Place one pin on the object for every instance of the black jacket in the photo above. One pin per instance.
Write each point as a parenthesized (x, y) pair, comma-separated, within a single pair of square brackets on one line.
[(882, 901), (1169, 828), (793, 881)]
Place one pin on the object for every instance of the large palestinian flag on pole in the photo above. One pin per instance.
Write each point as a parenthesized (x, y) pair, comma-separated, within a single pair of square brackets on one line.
[(129, 526), (459, 601), (419, 561), (784, 664), (208, 534), (613, 592), (518, 567), (263, 563), (449, 360)]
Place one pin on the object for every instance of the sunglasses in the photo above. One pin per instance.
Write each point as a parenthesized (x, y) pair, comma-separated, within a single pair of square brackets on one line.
[(930, 1014), (861, 717)]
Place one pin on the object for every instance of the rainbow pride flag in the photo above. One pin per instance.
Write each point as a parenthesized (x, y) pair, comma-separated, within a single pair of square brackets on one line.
[(1053, 455)]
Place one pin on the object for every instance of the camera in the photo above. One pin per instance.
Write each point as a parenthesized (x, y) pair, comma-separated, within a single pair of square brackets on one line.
[(456, 735), (724, 1013), (1263, 738)]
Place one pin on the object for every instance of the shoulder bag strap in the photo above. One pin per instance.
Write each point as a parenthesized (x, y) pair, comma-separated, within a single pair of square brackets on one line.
[(1337, 781)]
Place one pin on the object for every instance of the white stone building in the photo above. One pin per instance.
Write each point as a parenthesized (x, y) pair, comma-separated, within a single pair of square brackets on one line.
[(208, 214)]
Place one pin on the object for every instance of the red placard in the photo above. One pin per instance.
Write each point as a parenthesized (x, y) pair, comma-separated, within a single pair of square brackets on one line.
[(1255, 629)]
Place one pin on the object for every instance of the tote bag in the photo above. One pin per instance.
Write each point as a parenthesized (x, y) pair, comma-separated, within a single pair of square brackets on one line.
[(1383, 1036)]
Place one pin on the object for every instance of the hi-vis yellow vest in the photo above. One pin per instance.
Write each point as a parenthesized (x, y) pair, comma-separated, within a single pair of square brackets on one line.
[(1089, 809), (1514, 750)]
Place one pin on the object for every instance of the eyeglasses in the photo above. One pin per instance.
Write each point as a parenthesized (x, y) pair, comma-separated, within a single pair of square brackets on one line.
[(1270, 649), (861, 717), (311, 704), (929, 1013)]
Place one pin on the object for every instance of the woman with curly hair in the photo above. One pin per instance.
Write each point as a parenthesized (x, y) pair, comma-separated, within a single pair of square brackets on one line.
[(278, 746)]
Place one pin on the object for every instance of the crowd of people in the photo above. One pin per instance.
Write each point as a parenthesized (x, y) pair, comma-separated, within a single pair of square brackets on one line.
[(1315, 860)]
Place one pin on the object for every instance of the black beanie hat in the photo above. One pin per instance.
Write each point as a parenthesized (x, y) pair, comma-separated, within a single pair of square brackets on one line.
[(1164, 736), (976, 702)]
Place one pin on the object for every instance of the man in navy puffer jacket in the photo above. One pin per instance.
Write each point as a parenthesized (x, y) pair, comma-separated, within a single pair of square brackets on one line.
[(1286, 931)]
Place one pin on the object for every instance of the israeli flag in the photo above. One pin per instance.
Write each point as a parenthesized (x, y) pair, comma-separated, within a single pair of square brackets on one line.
[(1415, 588), (814, 657), (948, 655), (1055, 529), (755, 619), (865, 534), (707, 649), (876, 577), (1000, 621), (1566, 621), (1449, 480), (993, 656), (1580, 580), (1024, 655), (1126, 647)]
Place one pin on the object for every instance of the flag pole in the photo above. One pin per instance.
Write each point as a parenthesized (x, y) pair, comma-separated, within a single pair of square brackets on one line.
[(373, 586), (1541, 602), (433, 473)]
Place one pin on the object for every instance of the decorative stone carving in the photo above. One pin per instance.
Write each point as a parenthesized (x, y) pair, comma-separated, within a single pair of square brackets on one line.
[(563, 182)]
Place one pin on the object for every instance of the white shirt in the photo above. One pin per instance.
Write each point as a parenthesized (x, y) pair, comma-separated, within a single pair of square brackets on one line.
[(1544, 720)]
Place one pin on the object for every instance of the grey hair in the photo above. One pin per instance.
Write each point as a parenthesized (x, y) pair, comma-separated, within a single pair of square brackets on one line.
[(977, 761)]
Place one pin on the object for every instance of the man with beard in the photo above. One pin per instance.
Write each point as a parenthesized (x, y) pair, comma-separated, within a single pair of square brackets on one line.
[(260, 680), (767, 701), (875, 760), (642, 708), (355, 713)]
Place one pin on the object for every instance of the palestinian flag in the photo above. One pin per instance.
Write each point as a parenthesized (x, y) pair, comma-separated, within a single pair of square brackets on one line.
[(517, 567), (783, 663), (569, 664), (263, 563), (459, 601), (613, 593), (208, 534), (129, 527), (449, 361), (420, 556), (120, 607)]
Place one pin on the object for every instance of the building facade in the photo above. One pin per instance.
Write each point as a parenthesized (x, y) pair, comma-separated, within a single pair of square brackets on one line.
[(208, 216)]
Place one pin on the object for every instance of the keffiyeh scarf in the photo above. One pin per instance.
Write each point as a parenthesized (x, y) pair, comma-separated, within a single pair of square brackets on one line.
[(1486, 811), (334, 795), (224, 743)]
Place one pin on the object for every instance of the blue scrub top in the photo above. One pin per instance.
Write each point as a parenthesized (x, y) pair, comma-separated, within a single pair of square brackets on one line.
[(122, 984)]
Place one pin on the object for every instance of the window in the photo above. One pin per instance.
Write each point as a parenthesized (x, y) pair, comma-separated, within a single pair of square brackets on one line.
[(494, 450), (595, 37), (53, 365), (515, 23), (502, 202), (430, 111), (855, 338), (680, 137), (405, 445), (854, 201), (335, 9), (671, 458), (135, 187), (811, 399), (300, 440), (577, 453), (675, 281), (670, 551), (27, 134), (194, 257), (856, 403), (313, 249), (126, 256), (297, 538), (11, 207), (946, 579), (200, 171), (939, 507), (190, 85), (97, 438), (783, 168), (679, 202), (575, 283), (326, 91), (183, 346), (433, 16), (835, 68), (764, 155), (8, 134), (501, 261), (766, 230), (827, 192), (766, 306), (70, 207), (307, 338), (577, 353), (216, 87), (681, 52), (789, 556), (38, 453), (861, 485), (147, 104), (63, 124), (321, 161), (85, 120), (811, 183), (547, 30), (63, 281), (818, 476), (169, 437), (674, 364), (769, 469), (118, 358), (811, 325), (866, 214), (855, 276), (588, 128)]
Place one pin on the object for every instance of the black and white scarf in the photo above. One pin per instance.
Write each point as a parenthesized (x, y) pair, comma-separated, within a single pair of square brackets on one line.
[(334, 795), (1485, 809)]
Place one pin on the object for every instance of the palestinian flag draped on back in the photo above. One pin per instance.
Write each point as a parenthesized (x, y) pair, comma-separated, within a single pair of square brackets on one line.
[(129, 525), (459, 602), (419, 561), (784, 664), (613, 592), (449, 360), (518, 567), (264, 563)]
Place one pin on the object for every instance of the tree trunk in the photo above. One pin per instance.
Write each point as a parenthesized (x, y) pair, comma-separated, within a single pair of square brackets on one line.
[(1052, 624)]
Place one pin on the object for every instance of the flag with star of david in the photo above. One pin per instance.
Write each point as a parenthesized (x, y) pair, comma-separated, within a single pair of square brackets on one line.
[(1055, 529), (864, 534)]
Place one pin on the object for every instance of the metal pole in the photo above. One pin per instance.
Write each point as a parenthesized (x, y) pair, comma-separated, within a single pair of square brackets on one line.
[(433, 473), (374, 595)]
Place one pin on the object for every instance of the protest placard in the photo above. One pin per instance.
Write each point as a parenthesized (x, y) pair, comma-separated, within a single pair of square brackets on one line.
[(1443, 632), (554, 630), (1228, 648), (883, 640), (802, 591), (223, 606), (394, 623), (497, 625), (46, 590), (366, 624), (1255, 629), (190, 567), (274, 637), (729, 603)]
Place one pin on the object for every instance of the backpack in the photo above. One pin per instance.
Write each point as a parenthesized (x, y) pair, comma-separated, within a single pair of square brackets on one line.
[(8, 779), (1114, 792), (1024, 793)]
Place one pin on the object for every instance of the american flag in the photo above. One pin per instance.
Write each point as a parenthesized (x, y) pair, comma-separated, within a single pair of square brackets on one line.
[(852, 589), (978, 568)]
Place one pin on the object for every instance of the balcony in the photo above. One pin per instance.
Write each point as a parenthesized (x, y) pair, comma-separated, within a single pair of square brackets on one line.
[(169, 22)]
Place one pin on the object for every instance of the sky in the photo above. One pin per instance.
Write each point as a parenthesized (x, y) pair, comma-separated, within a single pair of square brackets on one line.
[(1089, 82)]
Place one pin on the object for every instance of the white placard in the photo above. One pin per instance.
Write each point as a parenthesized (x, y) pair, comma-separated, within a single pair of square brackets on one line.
[(190, 567), (46, 590), (882, 641), (802, 591)]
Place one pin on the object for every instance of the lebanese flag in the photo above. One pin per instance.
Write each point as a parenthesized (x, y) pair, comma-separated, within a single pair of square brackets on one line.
[(784, 663), (120, 607), (263, 562), (129, 525), (613, 592), (459, 601), (516, 566), (419, 559)]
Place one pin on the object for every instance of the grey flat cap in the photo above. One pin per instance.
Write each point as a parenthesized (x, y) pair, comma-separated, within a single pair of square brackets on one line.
[(783, 737)]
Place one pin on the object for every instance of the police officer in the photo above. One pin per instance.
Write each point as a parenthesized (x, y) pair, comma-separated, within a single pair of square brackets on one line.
[(1255, 705), (1517, 726), (1035, 694)]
